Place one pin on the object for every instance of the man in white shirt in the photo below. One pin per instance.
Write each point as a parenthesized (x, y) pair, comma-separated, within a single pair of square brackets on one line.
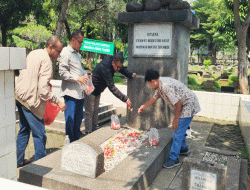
[(73, 76)]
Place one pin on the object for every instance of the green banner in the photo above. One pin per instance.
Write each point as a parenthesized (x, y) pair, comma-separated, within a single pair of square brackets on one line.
[(98, 46)]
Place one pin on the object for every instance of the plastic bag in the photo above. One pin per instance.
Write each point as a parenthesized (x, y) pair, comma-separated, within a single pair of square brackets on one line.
[(51, 112), (83, 86), (153, 137), (90, 87), (115, 122)]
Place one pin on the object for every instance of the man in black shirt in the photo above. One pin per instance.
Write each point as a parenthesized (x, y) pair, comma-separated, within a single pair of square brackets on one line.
[(103, 77)]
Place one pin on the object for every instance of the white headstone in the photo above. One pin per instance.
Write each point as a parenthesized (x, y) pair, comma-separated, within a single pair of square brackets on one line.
[(79, 158), (203, 180)]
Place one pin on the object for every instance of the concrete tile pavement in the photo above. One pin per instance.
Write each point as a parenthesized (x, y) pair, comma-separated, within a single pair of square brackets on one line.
[(165, 178)]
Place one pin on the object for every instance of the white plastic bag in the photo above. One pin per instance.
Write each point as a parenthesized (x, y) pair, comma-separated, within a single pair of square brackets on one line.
[(83, 86), (90, 87), (153, 137), (115, 122)]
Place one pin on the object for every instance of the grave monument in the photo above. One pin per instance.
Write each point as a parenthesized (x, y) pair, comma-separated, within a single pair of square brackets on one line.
[(158, 38)]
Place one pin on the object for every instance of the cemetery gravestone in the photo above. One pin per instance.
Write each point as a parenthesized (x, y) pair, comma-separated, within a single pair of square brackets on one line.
[(211, 171), (227, 89), (156, 40), (209, 84), (200, 72), (81, 159), (207, 75), (137, 171), (224, 76)]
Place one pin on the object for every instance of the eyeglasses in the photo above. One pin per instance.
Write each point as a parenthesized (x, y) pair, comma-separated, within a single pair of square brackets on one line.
[(80, 42), (118, 67)]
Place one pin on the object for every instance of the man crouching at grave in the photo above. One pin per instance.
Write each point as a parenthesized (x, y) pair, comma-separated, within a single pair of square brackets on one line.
[(182, 101), (32, 93), (102, 78)]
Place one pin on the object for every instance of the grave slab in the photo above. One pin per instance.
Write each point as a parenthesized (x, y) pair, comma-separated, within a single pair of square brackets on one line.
[(196, 171), (136, 171), (83, 159), (197, 175)]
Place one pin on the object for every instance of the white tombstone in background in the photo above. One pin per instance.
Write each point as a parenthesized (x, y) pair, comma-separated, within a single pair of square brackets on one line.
[(10, 59)]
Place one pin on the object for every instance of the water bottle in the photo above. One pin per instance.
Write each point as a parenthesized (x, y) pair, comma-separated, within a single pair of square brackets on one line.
[(84, 86), (67, 141)]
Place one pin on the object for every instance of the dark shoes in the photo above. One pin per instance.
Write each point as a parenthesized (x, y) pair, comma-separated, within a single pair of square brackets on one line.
[(25, 162), (171, 163), (184, 152), (96, 127)]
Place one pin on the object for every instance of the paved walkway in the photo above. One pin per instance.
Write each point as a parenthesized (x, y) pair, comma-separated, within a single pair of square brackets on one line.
[(217, 137)]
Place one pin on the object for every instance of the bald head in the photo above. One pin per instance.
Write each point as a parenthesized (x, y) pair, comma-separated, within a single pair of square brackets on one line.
[(53, 40), (54, 46)]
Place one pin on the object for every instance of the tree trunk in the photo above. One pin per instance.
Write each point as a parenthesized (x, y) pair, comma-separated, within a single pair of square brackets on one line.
[(4, 36), (241, 33), (248, 39), (199, 55), (88, 59), (214, 54), (243, 87), (61, 18), (67, 28)]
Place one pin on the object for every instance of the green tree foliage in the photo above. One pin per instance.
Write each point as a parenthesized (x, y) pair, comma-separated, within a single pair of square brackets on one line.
[(31, 22), (232, 79), (13, 12), (207, 63), (31, 36), (226, 24), (208, 11)]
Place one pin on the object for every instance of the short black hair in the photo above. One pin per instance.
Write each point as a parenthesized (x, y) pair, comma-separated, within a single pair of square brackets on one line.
[(118, 57), (151, 74), (53, 40), (76, 33)]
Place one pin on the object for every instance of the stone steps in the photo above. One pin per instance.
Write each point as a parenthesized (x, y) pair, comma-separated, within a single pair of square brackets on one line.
[(105, 112), (58, 126)]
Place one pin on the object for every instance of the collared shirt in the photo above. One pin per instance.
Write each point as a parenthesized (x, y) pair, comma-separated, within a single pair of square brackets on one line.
[(32, 86), (172, 90), (70, 68)]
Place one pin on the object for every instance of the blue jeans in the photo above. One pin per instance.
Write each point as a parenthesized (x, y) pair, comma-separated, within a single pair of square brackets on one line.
[(29, 122), (179, 139), (73, 117)]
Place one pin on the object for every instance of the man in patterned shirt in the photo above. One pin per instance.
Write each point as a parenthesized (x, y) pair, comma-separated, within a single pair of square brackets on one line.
[(182, 101)]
